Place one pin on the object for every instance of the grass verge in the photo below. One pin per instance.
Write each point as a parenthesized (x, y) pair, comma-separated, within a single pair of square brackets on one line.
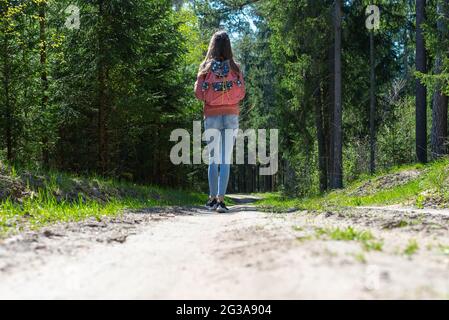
[(33, 201), (431, 183)]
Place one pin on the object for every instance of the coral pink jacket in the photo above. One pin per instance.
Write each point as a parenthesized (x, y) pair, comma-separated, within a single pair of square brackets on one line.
[(221, 95)]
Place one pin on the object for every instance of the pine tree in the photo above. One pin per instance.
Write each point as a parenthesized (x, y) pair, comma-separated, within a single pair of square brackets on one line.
[(421, 90), (337, 172), (440, 99)]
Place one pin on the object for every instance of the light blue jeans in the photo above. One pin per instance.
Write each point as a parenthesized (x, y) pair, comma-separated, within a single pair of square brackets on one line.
[(220, 143)]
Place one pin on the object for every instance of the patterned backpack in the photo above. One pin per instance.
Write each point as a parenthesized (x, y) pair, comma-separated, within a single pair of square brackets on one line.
[(221, 86)]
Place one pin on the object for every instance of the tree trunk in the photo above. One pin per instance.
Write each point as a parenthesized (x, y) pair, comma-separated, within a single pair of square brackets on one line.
[(330, 113), (7, 97), (372, 114), (421, 91), (102, 93), (44, 81), (440, 101), (322, 156), (337, 174)]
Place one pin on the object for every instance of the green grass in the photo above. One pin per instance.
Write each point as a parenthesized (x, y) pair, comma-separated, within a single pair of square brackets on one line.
[(360, 257), (411, 248), (403, 224), (444, 249), (366, 238), (433, 179), (347, 234), (373, 245), (43, 206)]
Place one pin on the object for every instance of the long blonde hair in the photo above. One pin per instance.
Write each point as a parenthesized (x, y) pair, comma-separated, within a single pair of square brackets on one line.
[(219, 49)]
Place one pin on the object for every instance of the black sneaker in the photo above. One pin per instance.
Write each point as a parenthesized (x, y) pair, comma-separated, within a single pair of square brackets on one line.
[(221, 207), (211, 204)]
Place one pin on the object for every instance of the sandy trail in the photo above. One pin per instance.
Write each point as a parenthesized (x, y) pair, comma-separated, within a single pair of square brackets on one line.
[(179, 253)]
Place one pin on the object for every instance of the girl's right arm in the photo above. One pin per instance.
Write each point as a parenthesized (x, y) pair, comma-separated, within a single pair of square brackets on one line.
[(199, 93), (242, 89)]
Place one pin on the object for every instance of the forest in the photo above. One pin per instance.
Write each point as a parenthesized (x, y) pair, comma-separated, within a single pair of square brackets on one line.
[(96, 86), (93, 206)]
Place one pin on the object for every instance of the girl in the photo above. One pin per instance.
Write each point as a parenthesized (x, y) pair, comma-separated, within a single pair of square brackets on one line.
[(221, 86)]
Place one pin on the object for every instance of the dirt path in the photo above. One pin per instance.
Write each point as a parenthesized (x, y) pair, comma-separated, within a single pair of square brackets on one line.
[(182, 253)]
